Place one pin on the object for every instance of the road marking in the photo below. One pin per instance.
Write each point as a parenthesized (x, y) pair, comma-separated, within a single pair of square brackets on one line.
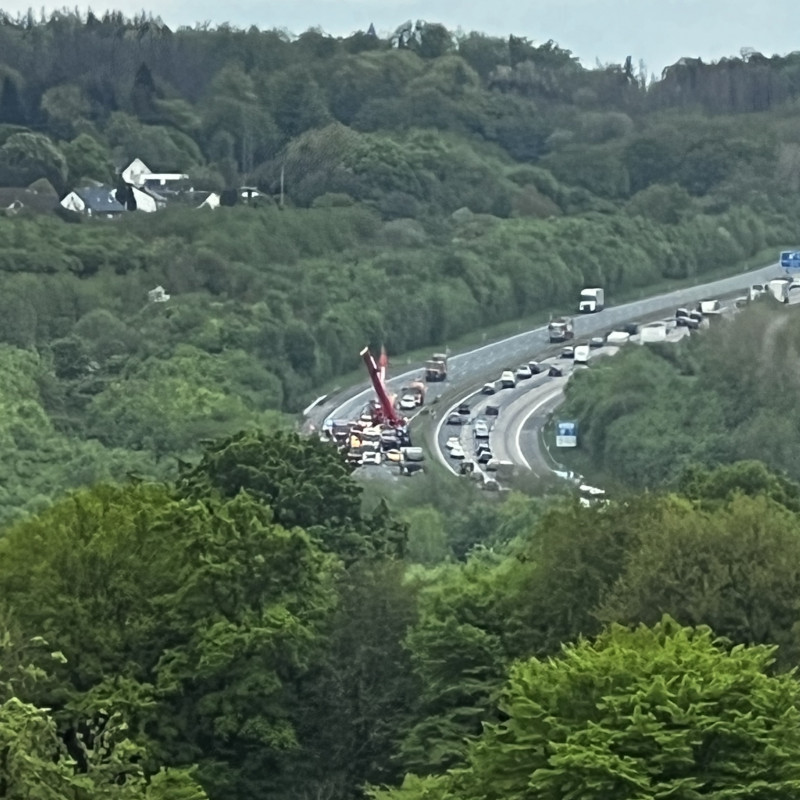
[(438, 430), (531, 412)]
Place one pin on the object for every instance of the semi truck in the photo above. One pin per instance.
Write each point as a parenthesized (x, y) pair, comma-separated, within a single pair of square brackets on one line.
[(436, 367), (560, 329), (592, 300)]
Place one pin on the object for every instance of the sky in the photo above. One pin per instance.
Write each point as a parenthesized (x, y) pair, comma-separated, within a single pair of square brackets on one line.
[(656, 32)]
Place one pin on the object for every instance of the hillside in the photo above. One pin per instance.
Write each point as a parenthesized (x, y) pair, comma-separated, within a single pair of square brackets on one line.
[(400, 194)]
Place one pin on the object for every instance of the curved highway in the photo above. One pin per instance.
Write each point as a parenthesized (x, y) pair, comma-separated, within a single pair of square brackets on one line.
[(470, 367)]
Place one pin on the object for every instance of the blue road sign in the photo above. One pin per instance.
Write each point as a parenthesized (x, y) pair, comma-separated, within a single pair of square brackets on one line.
[(566, 433), (790, 259)]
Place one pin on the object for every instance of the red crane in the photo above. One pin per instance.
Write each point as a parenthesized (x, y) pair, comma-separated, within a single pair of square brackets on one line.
[(385, 413)]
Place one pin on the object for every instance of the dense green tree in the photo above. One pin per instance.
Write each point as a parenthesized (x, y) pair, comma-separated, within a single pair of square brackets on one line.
[(196, 617), (647, 712), (306, 482), (87, 158), (25, 157), (734, 568)]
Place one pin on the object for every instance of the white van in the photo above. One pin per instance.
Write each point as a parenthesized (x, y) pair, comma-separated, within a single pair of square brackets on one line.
[(581, 354), (508, 380)]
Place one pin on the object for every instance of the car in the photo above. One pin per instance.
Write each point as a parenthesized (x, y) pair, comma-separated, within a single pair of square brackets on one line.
[(464, 409), (456, 419), (411, 469), (523, 372), (694, 320), (408, 402), (481, 430), (507, 379), (596, 341), (489, 388), (370, 458), (484, 456), (457, 452), (682, 316), (536, 367), (555, 372), (631, 328), (568, 352), (452, 442), (491, 411)]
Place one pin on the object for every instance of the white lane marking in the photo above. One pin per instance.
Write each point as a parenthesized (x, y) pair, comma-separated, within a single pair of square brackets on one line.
[(438, 430), (546, 399)]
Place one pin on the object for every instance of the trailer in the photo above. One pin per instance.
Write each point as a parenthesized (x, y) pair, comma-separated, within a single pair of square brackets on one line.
[(653, 332), (591, 301)]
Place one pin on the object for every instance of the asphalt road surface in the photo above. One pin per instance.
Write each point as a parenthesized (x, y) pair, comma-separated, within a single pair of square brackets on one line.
[(467, 368)]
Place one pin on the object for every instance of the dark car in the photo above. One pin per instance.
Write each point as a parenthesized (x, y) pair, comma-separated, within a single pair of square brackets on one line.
[(555, 372), (681, 316), (484, 456), (536, 367), (631, 328), (491, 411), (456, 419), (568, 352), (596, 341), (464, 409), (693, 320)]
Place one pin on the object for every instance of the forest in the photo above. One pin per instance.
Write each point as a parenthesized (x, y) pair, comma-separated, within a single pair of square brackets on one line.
[(726, 395), (262, 627), (432, 187), (198, 602)]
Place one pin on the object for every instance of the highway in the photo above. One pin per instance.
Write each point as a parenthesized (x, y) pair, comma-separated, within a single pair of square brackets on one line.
[(470, 367), (523, 412)]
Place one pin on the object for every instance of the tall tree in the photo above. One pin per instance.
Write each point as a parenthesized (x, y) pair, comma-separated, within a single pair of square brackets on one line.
[(647, 713)]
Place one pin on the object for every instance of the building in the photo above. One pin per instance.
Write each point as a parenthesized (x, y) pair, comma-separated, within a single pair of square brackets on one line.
[(140, 176), (94, 201)]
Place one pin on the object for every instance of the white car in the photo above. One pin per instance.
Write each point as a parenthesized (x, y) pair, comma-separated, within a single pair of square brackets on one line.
[(523, 372), (481, 430), (457, 452), (371, 458), (408, 402), (508, 379), (453, 441)]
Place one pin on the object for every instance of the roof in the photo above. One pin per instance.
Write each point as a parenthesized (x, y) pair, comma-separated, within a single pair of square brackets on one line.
[(100, 199), (30, 200)]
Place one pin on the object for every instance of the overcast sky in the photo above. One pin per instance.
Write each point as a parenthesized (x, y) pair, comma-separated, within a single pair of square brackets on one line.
[(658, 32)]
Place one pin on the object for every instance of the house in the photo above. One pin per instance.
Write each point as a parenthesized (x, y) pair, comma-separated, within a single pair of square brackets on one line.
[(158, 295), (135, 199), (14, 199), (94, 201), (139, 175), (212, 201)]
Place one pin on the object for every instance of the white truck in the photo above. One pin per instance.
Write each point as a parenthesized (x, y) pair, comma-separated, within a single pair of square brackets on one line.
[(779, 289), (592, 300), (653, 332), (616, 338), (581, 354)]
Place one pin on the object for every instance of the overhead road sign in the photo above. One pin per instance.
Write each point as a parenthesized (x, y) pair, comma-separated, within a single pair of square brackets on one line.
[(790, 260)]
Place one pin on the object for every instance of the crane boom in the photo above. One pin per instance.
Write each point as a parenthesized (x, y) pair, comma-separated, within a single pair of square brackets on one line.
[(390, 416)]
